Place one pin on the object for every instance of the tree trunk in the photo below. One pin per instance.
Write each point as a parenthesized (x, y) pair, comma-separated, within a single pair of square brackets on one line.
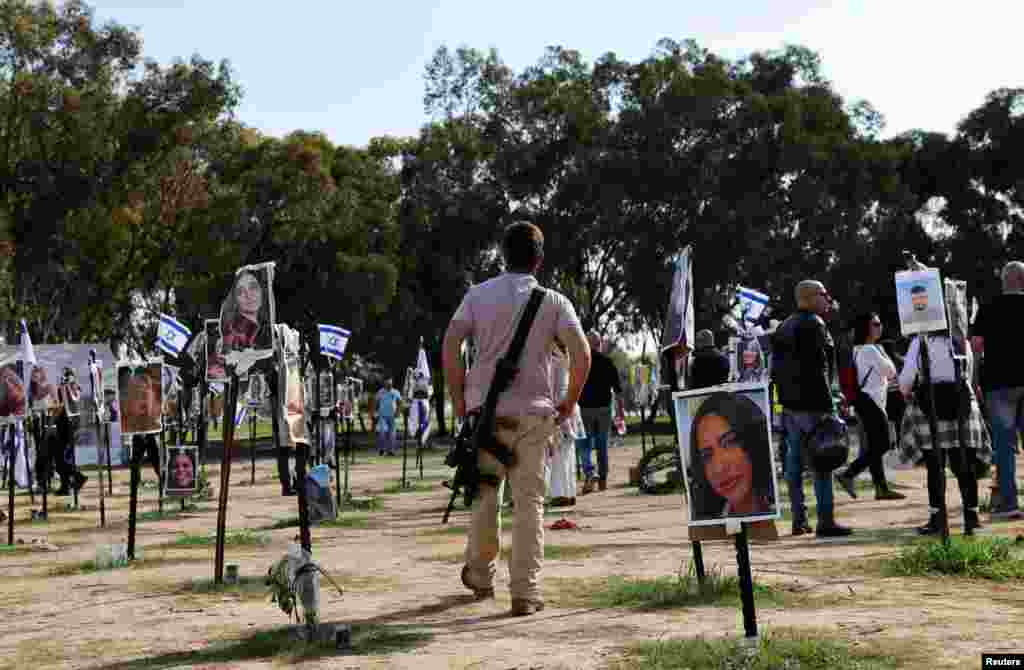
[(439, 388)]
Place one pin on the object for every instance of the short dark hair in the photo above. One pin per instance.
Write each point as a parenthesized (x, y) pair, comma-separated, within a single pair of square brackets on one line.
[(918, 289), (522, 246)]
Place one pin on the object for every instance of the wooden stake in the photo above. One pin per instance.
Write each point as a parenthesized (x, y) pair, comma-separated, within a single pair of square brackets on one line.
[(225, 477)]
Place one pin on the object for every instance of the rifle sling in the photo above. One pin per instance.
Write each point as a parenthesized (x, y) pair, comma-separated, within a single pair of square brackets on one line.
[(505, 374)]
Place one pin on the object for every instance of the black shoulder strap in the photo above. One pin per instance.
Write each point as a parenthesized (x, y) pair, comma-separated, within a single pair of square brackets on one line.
[(525, 323)]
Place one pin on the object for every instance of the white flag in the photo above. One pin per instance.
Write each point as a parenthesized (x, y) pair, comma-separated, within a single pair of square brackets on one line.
[(679, 316), (333, 340), (422, 366), (171, 335), (28, 353)]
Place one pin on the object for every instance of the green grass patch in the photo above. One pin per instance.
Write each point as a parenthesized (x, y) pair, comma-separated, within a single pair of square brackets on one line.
[(774, 650), (681, 590), (342, 521), (250, 588), (238, 538), (412, 485), (364, 503), (80, 568), (995, 558), (11, 548), (446, 529), (172, 510)]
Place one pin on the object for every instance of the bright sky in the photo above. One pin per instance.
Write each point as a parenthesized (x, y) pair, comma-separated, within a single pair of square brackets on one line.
[(354, 70)]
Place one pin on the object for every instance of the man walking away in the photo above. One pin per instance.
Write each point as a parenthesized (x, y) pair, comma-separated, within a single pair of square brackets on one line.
[(805, 373), (527, 416), (596, 410), (996, 336)]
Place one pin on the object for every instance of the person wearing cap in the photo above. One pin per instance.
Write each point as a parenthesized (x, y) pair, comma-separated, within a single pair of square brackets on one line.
[(709, 366)]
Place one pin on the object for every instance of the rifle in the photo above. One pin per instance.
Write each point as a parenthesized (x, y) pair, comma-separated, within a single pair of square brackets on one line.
[(477, 432)]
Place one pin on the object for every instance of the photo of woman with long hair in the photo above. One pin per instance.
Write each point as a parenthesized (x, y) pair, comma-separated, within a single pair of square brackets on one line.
[(245, 319), (729, 460), (216, 371)]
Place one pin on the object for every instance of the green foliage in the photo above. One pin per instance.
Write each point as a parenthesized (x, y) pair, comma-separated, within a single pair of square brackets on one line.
[(776, 650), (240, 538), (995, 558), (682, 590)]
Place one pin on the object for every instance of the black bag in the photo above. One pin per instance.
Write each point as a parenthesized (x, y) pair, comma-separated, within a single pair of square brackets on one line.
[(952, 400), (827, 447)]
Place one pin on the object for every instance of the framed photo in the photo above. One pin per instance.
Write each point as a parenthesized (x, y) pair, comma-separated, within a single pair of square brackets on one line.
[(141, 393), (180, 471), (13, 396), (247, 314), (257, 390), (725, 447), (326, 391), (920, 302)]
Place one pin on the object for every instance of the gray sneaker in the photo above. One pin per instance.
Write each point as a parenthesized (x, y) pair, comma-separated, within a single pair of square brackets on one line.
[(1007, 515)]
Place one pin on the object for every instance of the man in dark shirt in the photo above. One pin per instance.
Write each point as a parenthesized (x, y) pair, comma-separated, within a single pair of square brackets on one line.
[(995, 334), (596, 411), (709, 367), (805, 373)]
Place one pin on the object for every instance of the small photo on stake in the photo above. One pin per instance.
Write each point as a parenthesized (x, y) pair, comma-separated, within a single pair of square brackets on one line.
[(180, 471)]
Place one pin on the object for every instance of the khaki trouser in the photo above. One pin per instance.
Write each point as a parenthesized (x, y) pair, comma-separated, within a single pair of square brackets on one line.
[(528, 437)]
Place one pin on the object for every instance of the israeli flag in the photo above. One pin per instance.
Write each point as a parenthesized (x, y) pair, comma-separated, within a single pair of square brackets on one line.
[(171, 335), (333, 340), (240, 414), (422, 366), (751, 304), (28, 352)]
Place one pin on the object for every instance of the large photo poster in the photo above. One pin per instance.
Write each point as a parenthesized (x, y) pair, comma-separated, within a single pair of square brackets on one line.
[(920, 303), (725, 447), (141, 390), (247, 316)]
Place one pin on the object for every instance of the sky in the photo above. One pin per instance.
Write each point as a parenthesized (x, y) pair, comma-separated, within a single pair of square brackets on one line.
[(355, 70)]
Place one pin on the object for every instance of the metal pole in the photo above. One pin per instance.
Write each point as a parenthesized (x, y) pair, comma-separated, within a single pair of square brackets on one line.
[(405, 448), (746, 583), (110, 467), (698, 561), (133, 493), (301, 453), (10, 486), (225, 478), (39, 425), (252, 446)]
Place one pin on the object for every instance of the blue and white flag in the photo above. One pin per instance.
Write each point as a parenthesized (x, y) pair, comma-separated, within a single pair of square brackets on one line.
[(171, 335), (333, 340), (751, 304), (243, 410)]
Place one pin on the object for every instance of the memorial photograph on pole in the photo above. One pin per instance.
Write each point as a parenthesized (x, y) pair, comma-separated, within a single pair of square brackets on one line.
[(216, 371), (180, 471), (247, 314), (141, 392), (13, 398), (725, 448), (919, 300)]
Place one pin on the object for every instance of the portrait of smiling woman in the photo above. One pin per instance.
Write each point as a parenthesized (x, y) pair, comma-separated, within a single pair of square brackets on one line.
[(246, 317), (141, 398), (729, 460)]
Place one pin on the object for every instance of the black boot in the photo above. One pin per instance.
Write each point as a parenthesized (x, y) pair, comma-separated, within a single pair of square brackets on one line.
[(934, 525), (827, 527)]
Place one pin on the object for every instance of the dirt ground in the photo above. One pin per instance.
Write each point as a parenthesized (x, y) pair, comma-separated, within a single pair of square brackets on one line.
[(407, 609)]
